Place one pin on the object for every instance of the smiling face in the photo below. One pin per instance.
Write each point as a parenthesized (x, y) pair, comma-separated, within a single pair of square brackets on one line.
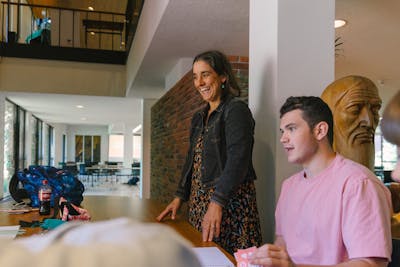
[(297, 138), (207, 82)]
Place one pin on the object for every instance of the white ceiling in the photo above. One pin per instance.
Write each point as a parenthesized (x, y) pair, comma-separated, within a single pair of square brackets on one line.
[(97, 110), (371, 39), (187, 27), (190, 27)]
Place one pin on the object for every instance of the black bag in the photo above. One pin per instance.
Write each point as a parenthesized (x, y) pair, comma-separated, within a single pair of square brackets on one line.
[(63, 184)]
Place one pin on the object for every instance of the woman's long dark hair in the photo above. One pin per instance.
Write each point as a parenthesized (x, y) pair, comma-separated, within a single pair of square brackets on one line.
[(220, 64)]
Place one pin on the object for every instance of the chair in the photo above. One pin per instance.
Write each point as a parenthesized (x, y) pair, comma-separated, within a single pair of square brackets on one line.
[(395, 253), (83, 174), (71, 167)]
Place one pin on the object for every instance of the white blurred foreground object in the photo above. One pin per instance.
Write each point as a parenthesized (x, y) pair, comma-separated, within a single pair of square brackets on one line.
[(118, 242), (9, 232)]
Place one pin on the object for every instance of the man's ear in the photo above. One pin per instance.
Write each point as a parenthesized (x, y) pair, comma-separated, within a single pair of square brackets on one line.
[(321, 130)]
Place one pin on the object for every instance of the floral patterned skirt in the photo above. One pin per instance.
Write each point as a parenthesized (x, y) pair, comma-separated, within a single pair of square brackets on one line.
[(240, 226)]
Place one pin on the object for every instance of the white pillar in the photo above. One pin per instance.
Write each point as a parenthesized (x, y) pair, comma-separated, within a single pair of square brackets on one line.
[(128, 145), (146, 146), (291, 53), (59, 131)]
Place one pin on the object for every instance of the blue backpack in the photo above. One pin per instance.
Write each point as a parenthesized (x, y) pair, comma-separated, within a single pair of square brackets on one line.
[(63, 184)]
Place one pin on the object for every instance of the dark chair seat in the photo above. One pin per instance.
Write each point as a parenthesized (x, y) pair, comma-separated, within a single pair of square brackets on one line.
[(395, 253)]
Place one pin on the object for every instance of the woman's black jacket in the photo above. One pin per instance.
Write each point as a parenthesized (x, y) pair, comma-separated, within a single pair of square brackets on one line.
[(227, 150)]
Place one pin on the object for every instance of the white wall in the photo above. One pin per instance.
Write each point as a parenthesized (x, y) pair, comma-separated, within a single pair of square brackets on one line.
[(70, 28), (284, 61), (150, 17), (26, 24), (178, 71), (61, 77), (146, 148), (59, 131), (386, 93)]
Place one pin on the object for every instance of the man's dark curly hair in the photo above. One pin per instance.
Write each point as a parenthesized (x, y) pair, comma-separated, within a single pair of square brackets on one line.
[(314, 110)]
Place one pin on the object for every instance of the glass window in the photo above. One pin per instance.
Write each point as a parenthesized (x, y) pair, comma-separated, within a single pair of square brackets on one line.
[(137, 148), (116, 147), (9, 144), (34, 145), (385, 152), (64, 148), (79, 148), (51, 146), (21, 138), (45, 144), (39, 142), (87, 148)]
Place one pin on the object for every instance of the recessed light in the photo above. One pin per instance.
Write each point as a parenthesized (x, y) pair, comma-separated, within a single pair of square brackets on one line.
[(79, 106), (90, 8), (340, 23), (83, 118)]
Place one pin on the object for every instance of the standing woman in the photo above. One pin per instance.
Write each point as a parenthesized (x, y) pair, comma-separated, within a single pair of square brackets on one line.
[(218, 175), (391, 129)]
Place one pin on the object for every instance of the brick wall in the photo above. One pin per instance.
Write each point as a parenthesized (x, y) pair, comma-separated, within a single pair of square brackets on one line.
[(170, 123)]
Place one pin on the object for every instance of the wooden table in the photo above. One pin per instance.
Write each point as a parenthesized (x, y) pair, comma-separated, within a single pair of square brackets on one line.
[(111, 207)]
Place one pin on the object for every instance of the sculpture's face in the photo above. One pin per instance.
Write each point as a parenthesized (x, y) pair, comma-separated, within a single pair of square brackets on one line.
[(356, 116)]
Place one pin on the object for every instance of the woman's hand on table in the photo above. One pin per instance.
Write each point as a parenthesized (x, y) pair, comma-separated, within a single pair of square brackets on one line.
[(211, 225), (172, 209)]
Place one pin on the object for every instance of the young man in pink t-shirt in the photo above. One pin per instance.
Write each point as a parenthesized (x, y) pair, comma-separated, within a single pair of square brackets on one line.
[(334, 212)]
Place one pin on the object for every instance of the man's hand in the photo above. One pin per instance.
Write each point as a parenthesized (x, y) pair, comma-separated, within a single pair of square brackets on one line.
[(172, 208), (211, 225)]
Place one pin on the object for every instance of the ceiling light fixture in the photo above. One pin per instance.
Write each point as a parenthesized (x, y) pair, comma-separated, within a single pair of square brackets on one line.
[(137, 129), (340, 23), (83, 118), (79, 106), (92, 33), (90, 8)]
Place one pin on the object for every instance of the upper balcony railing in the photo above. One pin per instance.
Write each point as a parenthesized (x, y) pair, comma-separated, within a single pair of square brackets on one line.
[(63, 27), (48, 32)]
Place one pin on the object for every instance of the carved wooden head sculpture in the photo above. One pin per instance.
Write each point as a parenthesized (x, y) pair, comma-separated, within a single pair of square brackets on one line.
[(355, 103)]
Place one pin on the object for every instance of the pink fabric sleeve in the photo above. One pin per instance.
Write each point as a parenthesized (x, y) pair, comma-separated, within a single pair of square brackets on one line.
[(366, 219)]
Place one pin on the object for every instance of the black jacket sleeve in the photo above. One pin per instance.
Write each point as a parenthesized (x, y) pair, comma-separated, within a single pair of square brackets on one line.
[(239, 132)]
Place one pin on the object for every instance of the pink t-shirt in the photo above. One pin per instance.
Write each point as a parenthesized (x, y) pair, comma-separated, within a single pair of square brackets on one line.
[(344, 212)]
